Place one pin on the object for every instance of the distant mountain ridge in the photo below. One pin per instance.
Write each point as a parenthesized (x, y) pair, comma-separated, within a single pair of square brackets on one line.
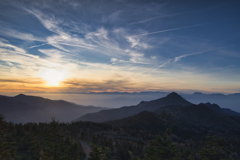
[(172, 102), (112, 114), (222, 110), (23, 108)]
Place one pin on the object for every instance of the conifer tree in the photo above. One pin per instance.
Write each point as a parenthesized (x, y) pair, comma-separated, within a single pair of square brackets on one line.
[(73, 150), (54, 141), (94, 154), (36, 148), (215, 149), (7, 149), (161, 148)]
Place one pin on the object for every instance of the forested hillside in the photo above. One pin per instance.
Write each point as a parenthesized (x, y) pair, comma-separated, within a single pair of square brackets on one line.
[(55, 141)]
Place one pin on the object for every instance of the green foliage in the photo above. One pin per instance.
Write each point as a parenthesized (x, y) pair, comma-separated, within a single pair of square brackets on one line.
[(54, 142), (161, 148), (74, 151), (60, 141), (100, 153), (215, 149), (95, 154), (7, 149)]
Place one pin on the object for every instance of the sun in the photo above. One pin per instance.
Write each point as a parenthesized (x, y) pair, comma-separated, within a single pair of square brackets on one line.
[(53, 76)]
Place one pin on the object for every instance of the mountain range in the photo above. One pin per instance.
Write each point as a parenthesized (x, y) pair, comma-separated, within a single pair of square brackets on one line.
[(188, 120), (170, 103), (23, 108)]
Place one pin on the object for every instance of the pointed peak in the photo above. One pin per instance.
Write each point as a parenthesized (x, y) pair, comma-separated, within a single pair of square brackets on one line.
[(213, 106), (173, 94), (21, 95), (175, 98), (202, 104)]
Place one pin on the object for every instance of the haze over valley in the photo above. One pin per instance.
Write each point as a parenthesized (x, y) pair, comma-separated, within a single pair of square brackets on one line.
[(25, 108), (116, 100)]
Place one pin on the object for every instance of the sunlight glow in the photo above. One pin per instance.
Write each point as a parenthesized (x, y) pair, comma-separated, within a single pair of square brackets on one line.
[(53, 76)]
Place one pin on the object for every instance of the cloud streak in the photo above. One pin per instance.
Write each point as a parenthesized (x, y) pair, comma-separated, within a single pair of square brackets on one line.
[(168, 30), (21, 81), (191, 54), (178, 58)]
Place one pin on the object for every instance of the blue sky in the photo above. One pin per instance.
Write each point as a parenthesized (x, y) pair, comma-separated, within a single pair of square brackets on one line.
[(94, 46)]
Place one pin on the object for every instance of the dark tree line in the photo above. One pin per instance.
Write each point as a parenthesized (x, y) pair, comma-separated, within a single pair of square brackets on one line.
[(37, 142), (60, 141)]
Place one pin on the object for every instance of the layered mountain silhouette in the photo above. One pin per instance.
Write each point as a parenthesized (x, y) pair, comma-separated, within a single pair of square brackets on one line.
[(171, 103), (222, 110), (107, 115), (225, 101), (23, 108), (186, 120), (190, 120)]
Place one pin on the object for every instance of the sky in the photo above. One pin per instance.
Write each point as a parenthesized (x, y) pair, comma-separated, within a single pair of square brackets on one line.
[(119, 46)]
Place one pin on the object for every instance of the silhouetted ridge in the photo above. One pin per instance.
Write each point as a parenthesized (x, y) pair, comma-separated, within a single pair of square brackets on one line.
[(25, 108), (143, 102), (222, 110), (174, 96), (119, 113), (213, 106), (21, 95), (172, 99), (187, 120)]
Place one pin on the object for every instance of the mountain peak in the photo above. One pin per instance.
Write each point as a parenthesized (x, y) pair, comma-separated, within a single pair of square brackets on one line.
[(174, 98), (21, 95), (173, 95)]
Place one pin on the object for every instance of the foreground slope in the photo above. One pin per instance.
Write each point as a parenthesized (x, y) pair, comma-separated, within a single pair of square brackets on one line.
[(23, 108), (107, 115)]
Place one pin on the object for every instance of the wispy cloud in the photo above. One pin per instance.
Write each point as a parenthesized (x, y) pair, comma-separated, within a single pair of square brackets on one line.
[(20, 35), (37, 45), (8, 51), (191, 54), (96, 41), (136, 42), (22, 64), (178, 58), (162, 65), (152, 18), (168, 30), (33, 81), (114, 16), (84, 85)]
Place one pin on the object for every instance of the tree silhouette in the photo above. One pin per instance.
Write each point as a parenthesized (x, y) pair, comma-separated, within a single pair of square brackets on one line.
[(7, 149), (161, 148)]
